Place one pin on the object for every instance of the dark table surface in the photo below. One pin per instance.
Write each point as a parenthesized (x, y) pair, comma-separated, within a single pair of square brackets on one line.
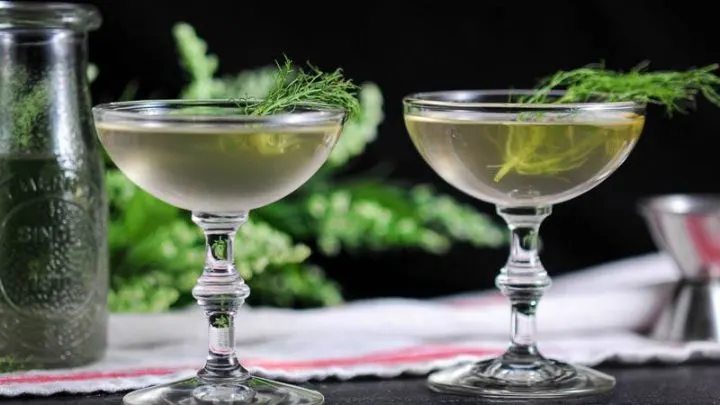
[(696, 384)]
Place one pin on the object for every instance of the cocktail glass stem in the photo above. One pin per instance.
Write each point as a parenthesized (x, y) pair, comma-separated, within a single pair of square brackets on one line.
[(220, 291), (522, 372), (523, 280)]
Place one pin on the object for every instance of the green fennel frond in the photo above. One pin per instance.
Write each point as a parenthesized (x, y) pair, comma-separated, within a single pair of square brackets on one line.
[(674, 90), (294, 85)]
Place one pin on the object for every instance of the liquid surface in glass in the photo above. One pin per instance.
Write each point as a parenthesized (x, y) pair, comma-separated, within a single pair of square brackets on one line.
[(223, 169), (518, 161)]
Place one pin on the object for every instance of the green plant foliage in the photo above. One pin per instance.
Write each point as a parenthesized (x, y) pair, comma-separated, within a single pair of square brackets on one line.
[(157, 253)]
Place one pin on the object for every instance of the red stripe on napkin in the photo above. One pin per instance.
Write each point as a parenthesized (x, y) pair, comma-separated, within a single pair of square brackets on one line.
[(409, 355), (93, 375)]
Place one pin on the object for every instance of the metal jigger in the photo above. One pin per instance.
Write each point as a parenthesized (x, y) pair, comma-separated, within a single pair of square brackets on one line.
[(687, 227)]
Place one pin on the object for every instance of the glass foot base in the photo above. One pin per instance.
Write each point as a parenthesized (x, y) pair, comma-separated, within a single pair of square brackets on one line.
[(499, 379), (255, 390)]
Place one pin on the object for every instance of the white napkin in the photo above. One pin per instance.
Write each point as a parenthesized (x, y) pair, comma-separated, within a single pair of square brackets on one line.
[(587, 317)]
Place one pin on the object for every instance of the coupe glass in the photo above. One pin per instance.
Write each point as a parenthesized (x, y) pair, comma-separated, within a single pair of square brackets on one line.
[(204, 156), (523, 158)]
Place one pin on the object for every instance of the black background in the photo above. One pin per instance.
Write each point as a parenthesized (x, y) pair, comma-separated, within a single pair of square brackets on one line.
[(439, 45)]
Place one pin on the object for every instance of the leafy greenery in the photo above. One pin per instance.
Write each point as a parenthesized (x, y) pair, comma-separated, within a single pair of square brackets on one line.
[(157, 254), (293, 86), (25, 105), (670, 89), (547, 150), (220, 321), (10, 364), (553, 150)]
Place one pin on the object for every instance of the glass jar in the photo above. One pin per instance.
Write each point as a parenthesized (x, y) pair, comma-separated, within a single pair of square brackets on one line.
[(53, 209)]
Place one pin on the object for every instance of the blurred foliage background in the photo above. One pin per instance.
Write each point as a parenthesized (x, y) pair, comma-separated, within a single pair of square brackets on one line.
[(157, 253)]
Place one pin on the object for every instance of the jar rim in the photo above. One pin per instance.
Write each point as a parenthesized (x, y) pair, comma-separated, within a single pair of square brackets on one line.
[(44, 15)]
